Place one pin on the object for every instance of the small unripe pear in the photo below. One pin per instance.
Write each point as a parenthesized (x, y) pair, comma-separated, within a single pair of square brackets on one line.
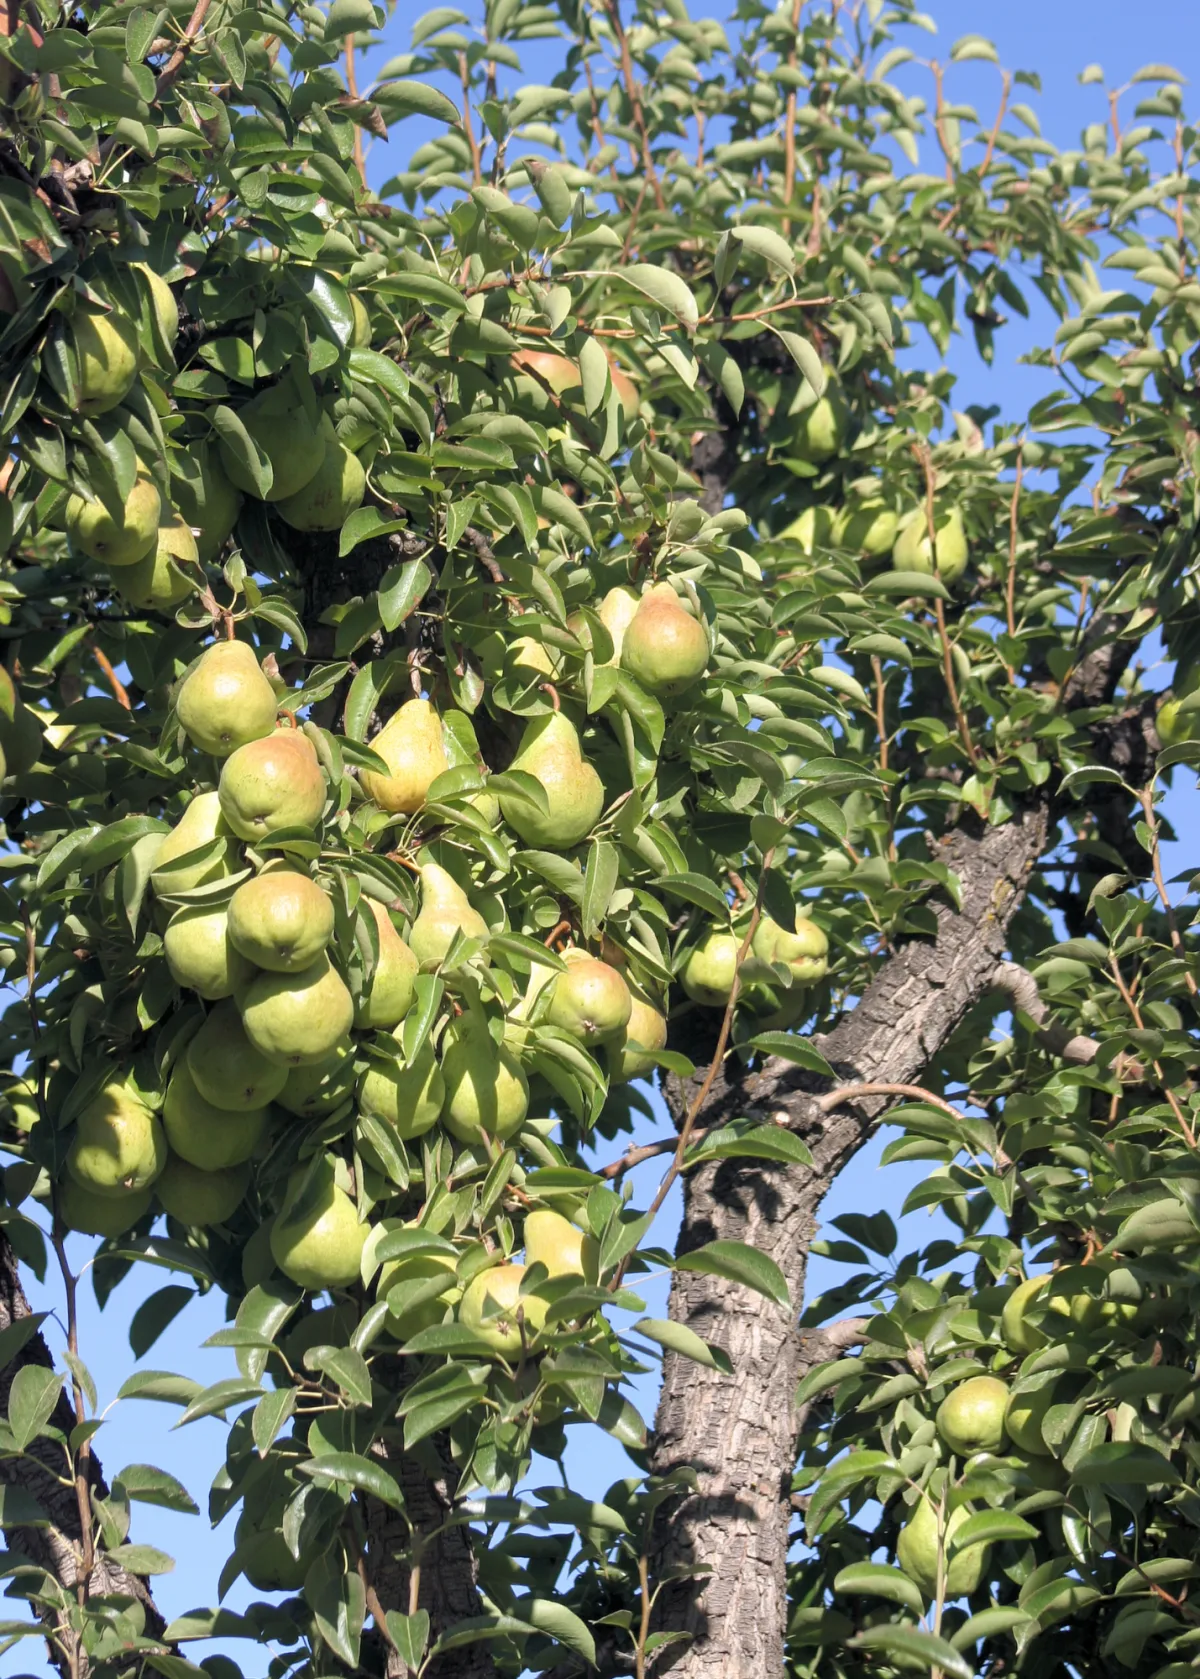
[(296, 1019), (390, 993), (226, 700), (617, 611), (665, 648), (590, 1000), (812, 529), (551, 753), (206, 1136), (106, 353), (971, 1417), (291, 438), (200, 825), (281, 920), (100, 1215), (492, 1305), (868, 527), (118, 1143), (646, 1026), (411, 744), (805, 951), (321, 1246), (486, 1087), (331, 494), (445, 910), (156, 583), (553, 1241), (206, 499), (227, 1069), (271, 784), (199, 1198), (200, 955), (360, 335), (409, 1096), (820, 428), (709, 971), (1024, 1418), (1021, 1335), (122, 541), (917, 1547), (912, 550), (162, 298), (322, 1086)]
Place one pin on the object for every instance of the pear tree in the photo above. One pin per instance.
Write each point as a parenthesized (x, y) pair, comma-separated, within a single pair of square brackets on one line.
[(549, 623)]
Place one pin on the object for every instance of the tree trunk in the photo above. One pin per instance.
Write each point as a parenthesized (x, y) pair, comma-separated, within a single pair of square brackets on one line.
[(738, 1432)]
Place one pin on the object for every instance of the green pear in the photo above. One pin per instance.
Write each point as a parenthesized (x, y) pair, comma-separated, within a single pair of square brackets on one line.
[(868, 527), (912, 551), (317, 1240), (118, 1144), (390, 993), (208, 502), (412, 746), (664, 648), (206, 1136), (617, 611), (227, 1069), (106, 354), (805, 951), (812, 529), (533, 656), (1024, 1418), (420, 1302), (1177, 720), (21, 739), (486, 1087), (646, 1026), (917, 1548), (162, 298), (296, 1019), (272, 784), (445, 910), (709, 971), (226, 700), (200, 826), (200, 955), (100, 1215), (492, 1306), (590, 1000), (281, 920), (1021, 1335), (458, 752), (553, 1241), (318, 1089), (971, 1417), (332, 493), (265, 1558), (820, 428), (156, 582), (198, 1198), (94, 532), (408, 1095), (551, 753), (291, 438)]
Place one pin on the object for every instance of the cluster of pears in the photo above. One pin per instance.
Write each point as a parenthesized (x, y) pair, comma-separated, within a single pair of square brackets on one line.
[(869, 527), (779, 968)]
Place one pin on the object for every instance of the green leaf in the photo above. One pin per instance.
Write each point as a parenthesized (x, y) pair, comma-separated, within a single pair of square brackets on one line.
[(917, 1645), (739, 1263), (252, 460), (766, 243), (19, 1508), (348, 1369), (365, 1474), (148, 1485), (905, 583), (991, 1527), (405, 98), (215, 1400), (599, 882), (801, 1052), (874, 1579), (142, 1559), (760, 1142), (558, 1622), (31, 1401), (1124, 1464), (806, 358), (161, 1385), (678, 1338), (696, 889), (410, 1635), (209, 1623), (663, 287), (401, 591), (349, 17)]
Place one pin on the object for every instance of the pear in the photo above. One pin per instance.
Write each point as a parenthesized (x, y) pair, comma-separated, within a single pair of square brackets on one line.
[(200, 825), (535, 370), (332, 493), (156, 582), (106, 354), (319, 1245), (551, 753), (390, 994), (94, 531), (360, 334), (971, 1417), (265, 1557), (812, 529), (531, 655), (429, 1302), (281, 920), (99, 1215), (553, 1241), (272, 784), (486, 1087), (869, 527), (647, 1027), (206, 499), (412, 746), (1173, 724), (296, 1019), (590, 1000), (408, 1095), (493, 1307), (318, 1089), (206, 1136), (709, 971), (805, 951), (118, 1144), (1023, 1419), (916, 1552), (291, 438), (200, 955), (226, 1068), (1021, 1335), (664, 648), (912, 551), (21, 739), (820, 428), (226, 700), (444, 910), (199, 1198), (162, 299), (617, 611)]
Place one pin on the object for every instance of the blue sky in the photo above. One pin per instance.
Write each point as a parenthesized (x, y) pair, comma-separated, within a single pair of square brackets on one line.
[(1055, 37)]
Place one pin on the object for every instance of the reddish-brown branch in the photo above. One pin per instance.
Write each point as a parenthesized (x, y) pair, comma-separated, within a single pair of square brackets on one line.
[(633, 93), (1006, 89), (175, 63), (120, 693)]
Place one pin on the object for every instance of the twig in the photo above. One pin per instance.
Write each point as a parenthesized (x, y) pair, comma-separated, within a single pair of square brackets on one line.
[(1010, 590), (468, 126), (644, 1622), (1189, 1136), (1005, 90), (483, 553), (633, 92), (352, 90), (1146, 800), (83, 1451), (175, 63), (856, 1092), (120, 693), (880, 697), (375, 1608)]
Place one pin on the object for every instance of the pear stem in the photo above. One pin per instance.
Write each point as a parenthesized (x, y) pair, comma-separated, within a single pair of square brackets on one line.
[(549, 688)]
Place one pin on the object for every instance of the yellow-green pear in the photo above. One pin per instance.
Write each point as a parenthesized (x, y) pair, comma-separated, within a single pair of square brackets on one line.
[(227, 1069), (296, 1019), (317, 1240), (709, 971), (664, 647), (426, 1287), (331, 494), (100, 1215), (198, 828), (281, 920), (162, 298), (551, 753), (486, 1087), (553, 1241), (617, 611), (971, 1417), (805, 952), (1021, 1335), (226, 700), (408, 1095), (917, 1552), (534, 656), (646, 1026), (445, 910), (292, 439), (206, 499), (93, 530), (1024, 1418), (199, 1198), (209, 1137), (322, 1086), (1176, 721), (390, 993), (200, 955), (118, 1144), (812, 529), (272, 784), (820, 428), (265, 1558), (912, 551), (493, 1306), (868, 527), (412, 746), (106, 354), (156, 582), (590, 1000)]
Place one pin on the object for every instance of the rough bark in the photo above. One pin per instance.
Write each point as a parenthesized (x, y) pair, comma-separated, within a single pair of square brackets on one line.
[(56, 1548), (738, 1432)]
